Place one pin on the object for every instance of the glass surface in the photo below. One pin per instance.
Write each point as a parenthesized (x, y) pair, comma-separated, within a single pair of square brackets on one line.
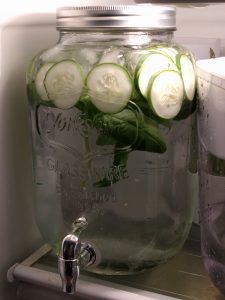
[(212, 177), (103, 152)]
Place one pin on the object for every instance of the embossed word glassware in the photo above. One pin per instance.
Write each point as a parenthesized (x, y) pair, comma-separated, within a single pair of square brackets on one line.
[(112, 109)]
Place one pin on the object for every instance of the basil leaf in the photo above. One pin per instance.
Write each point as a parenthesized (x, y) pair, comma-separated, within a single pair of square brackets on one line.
[(142, 103), (120, 157), (123, 127), (128, 130), (119, 164), (104, 140)]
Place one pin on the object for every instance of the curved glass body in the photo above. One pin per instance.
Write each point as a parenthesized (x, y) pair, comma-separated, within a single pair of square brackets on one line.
[(124, 167)]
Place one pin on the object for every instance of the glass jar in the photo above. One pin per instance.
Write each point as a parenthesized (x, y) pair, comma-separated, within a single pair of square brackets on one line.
[(211, 124), (112, 108)]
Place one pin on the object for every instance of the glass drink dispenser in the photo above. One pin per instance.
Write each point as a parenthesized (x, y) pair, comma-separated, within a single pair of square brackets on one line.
[(112, 109), (211, 124)]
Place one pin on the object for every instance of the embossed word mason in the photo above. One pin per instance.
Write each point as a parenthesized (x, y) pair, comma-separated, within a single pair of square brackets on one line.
[(70, 121)]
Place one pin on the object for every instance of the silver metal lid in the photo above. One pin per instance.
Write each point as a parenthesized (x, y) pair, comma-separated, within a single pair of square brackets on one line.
[(119, 17)]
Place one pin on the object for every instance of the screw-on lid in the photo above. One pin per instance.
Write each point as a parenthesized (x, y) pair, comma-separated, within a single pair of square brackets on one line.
[(119, 17)]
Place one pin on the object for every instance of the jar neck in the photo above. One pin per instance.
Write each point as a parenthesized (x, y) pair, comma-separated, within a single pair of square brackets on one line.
[(127, 38)]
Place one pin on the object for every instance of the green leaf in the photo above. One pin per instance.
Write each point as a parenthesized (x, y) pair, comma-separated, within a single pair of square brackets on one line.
[(103, 183), (120, 157), (119, 164), (151, 139), (147, 111), (104, 140), (87, 108), (124, 128), (128, 130), (187, 109)]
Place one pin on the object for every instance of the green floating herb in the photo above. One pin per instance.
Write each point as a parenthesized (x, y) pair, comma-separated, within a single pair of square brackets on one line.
[(124, 128), (127, 130), (104, 140), (142, 103), (119, 167)]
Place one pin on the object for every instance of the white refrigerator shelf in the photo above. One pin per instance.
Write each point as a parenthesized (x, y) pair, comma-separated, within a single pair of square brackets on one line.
[(183, 277)]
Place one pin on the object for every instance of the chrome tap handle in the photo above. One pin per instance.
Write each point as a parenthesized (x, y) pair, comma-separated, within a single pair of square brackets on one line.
[(87, 255)]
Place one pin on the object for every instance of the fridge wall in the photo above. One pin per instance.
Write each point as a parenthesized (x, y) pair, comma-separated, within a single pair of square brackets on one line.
[(26, 28)]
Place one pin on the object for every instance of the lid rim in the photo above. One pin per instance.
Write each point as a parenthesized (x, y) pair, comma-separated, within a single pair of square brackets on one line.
[(117, 16)]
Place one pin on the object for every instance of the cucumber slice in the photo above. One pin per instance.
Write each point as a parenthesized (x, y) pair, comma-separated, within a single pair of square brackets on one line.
[(112, 56), (171, 52), (39, 81), (166, 94), (64, 83), (31, 69), (188, 75), (109, 86), (187, 109), (132, 58), (154, 63)]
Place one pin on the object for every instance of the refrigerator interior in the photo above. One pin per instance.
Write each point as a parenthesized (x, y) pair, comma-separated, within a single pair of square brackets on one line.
[(25, 29)]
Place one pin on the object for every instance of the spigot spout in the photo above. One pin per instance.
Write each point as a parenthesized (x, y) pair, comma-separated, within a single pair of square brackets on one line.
[(69, 271), (74, 255), (69, 263)]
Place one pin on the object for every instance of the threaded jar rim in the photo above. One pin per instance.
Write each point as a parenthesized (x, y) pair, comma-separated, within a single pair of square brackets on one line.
[(117, 17)]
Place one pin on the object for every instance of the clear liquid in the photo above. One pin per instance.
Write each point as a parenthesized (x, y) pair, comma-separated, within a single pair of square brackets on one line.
[(140, 220), (134, 188), (213, 248)]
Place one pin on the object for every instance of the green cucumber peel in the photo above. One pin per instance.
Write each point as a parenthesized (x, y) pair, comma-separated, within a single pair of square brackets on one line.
[(152, 64), (64, 83), (181, 96), (186, 67), (109, 86)]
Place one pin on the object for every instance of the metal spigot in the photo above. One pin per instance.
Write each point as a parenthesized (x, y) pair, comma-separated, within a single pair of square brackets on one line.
[(74, 255)]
